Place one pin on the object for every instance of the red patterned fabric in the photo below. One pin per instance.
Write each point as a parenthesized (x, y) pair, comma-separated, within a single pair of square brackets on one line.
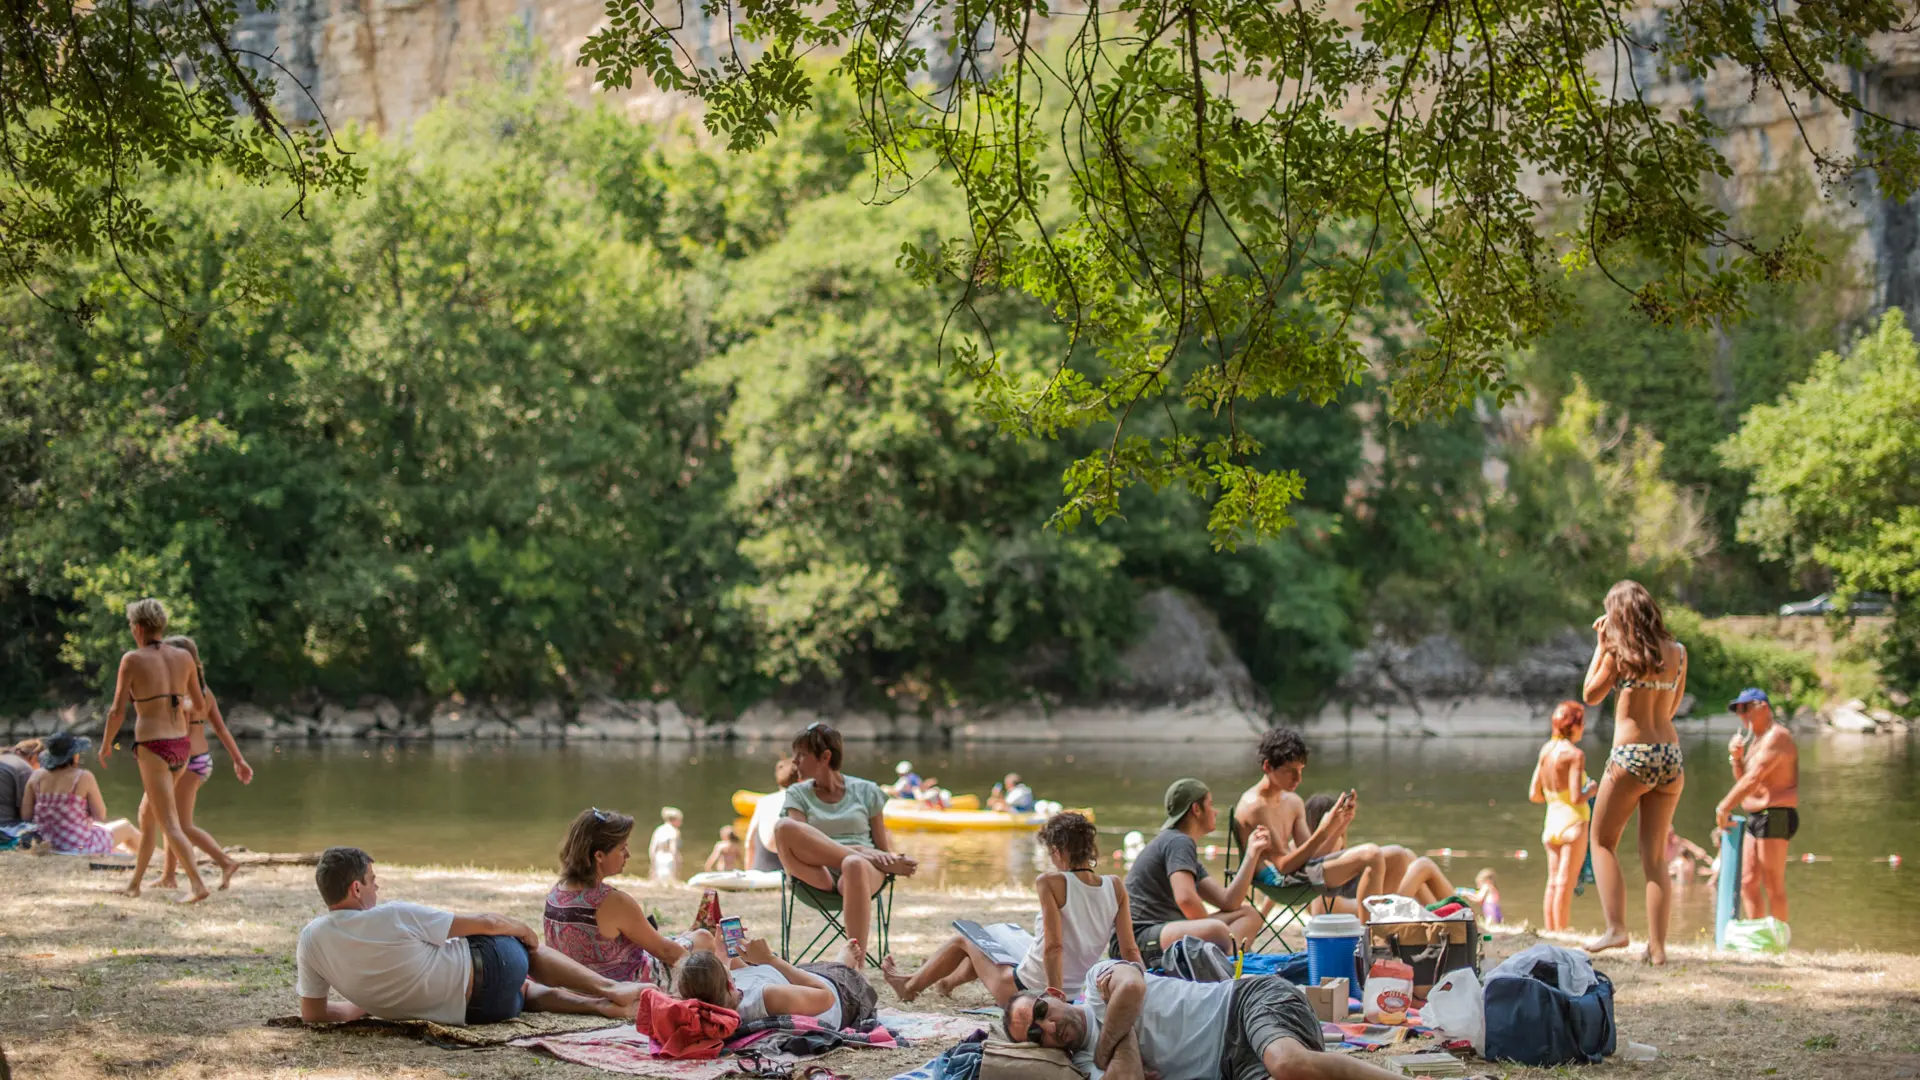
[(66, 824)]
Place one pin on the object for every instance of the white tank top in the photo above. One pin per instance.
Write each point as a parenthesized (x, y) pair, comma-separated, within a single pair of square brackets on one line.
[(1086, 925)]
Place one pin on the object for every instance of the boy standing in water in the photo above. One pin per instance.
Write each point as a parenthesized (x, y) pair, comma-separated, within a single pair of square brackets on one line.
[(664, 851), (1766, 774)]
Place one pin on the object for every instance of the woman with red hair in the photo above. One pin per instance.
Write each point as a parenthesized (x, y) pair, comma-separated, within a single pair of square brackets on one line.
[(1560, 780), (1640, 663)]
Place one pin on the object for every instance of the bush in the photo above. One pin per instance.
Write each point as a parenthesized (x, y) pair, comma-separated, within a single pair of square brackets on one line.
[(1719, 667)]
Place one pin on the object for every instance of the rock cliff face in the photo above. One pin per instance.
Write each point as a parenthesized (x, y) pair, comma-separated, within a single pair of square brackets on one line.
[(383, 63)]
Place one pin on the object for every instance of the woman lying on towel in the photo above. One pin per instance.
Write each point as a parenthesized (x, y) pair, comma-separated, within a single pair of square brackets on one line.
[(1080, 912), (757, 984)]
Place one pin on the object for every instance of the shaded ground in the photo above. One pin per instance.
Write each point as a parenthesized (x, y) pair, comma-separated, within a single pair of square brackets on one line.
[(95, 985)]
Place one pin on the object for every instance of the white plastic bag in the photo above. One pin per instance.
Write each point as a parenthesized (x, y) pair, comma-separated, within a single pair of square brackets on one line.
[(1391, 907), (1573, 970), (1457, 1007), (1767, 936)]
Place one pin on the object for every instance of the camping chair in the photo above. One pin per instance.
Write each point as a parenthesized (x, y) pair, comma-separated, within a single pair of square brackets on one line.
[(1290, 901), (795, 893)]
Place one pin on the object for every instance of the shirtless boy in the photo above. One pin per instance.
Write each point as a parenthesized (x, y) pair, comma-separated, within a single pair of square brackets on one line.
[(1302, 855), (1766, 775)]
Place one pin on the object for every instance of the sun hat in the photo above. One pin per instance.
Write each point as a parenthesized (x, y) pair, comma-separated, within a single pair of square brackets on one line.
[(60, 748), (1182, 797), (1748, 696), (903, 768)]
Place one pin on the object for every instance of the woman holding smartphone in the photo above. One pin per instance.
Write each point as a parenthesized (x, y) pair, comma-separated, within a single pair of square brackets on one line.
[(603, 928), (757, 984)]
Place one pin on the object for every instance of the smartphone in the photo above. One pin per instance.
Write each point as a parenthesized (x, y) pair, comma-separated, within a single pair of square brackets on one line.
[(733, 934)]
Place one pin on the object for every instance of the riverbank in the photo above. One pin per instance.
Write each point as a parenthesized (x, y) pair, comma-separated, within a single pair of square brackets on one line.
[(93, 985)]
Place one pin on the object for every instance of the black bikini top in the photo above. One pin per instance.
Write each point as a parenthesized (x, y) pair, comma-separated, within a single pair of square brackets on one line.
[(172, 699)]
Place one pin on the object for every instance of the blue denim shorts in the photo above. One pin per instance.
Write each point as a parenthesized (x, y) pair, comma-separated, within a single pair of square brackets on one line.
[(499, 971)]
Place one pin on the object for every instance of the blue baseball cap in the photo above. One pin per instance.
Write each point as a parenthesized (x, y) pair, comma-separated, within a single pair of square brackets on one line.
[(1748, 696)]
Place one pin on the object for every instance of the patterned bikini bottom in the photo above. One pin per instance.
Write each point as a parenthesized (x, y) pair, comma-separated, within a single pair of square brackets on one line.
[(1653, 764)]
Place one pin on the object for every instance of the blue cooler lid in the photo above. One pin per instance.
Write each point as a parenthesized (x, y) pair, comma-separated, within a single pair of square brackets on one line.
[(1335, 926)]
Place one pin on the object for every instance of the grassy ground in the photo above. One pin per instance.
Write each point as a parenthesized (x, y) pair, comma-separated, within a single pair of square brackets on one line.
[(95, 985)]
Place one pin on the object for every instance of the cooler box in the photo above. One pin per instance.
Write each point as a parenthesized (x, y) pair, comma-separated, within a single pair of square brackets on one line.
[(1333, 948)]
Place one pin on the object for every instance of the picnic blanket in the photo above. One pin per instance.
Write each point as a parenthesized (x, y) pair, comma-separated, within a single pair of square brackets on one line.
[(448, 1037), (941, 1027), (769, 1042)]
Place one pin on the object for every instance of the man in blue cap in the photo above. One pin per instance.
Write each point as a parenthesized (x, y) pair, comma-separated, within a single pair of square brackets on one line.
[(1766, 784)]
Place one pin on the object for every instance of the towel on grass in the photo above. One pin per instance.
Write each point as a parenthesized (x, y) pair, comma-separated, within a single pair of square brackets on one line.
[(450, 1037), (940, 1027), (684, 1029), (782, 1040)]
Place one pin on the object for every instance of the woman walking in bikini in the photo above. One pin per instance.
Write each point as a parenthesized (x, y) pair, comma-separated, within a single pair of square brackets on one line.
[(1640, 663), (188, 781), (157, 680)]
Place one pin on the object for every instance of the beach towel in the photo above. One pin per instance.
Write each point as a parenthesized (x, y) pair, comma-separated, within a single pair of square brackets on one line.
[(451, 1037), (939, 1027), (684, 1029), (960, 1063), (624, 1049)]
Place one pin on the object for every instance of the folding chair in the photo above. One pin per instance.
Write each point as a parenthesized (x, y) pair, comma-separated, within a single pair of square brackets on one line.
[(1290, 901), (795, 893)]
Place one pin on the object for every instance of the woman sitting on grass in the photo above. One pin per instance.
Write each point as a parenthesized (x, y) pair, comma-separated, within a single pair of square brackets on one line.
[(596, 924), (1080, 912), (63, 801)]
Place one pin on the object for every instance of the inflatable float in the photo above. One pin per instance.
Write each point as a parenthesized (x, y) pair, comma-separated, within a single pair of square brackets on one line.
[(964, 816), (736, 880)]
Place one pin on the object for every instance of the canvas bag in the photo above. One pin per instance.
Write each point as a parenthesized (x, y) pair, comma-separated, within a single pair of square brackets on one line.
[(1001, 1060), (1531, 1021), (1197, 960)]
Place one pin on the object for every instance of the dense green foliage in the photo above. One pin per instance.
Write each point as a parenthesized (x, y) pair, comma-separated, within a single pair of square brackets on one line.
[(1689, 386), (1720, 666), (1836, 477), (563, 405), (1248, 182)]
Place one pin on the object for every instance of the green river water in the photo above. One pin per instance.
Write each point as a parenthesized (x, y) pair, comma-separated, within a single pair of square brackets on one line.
[(505, 805)]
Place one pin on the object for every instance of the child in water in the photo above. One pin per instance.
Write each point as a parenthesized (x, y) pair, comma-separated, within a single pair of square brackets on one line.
[(1487, 895), (664, 850), (727, 855)]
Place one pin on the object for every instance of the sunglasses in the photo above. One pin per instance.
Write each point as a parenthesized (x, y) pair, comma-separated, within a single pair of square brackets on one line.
[(1034, 1034), (599, 815)]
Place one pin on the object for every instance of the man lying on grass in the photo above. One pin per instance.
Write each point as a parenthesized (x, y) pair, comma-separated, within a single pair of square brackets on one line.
[(405, 961), (1135, 1026)]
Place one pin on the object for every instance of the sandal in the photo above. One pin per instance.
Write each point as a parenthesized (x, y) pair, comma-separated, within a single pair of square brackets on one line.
[(821, 1072)]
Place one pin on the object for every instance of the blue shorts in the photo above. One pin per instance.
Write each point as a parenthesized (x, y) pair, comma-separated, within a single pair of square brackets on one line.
[(499, 972)]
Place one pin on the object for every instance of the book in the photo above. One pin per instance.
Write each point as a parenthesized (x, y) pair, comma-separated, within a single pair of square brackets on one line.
[(987, 943), (1429, 1064)]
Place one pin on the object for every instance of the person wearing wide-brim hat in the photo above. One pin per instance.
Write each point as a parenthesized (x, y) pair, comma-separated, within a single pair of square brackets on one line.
[(1171, 890), (64, 803)]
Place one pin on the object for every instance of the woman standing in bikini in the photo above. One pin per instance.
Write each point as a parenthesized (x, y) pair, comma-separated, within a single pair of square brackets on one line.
[(157, 680), (1560, 781), (1646, 670), (187, 782)]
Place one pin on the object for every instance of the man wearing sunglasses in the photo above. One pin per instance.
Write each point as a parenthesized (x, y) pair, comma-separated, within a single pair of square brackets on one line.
[(1766, 775), (1133, 1024)]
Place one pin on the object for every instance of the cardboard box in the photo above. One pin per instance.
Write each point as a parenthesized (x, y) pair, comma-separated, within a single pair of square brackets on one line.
[(1330, 999)]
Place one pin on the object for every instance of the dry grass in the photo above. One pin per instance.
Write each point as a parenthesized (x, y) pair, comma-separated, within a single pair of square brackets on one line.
[(95, 985)]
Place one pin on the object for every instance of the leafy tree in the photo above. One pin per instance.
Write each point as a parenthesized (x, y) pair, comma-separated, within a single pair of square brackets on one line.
[(1836, 477), (1160, 174), (97, 99)]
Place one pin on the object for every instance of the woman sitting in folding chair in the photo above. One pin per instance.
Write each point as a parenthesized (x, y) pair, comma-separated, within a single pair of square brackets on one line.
[(1080, 912), (833, 837)]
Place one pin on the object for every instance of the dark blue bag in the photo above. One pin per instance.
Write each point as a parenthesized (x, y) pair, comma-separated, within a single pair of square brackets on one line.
[(1531, 1021)]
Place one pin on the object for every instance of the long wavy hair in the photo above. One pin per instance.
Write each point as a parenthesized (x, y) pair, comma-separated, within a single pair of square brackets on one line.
[(1636, 635)]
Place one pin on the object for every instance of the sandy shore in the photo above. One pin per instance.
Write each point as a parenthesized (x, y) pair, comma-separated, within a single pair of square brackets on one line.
[(95, 985)]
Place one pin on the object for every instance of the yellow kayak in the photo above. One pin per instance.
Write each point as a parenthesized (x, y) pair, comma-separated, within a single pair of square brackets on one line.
[(965, 815)]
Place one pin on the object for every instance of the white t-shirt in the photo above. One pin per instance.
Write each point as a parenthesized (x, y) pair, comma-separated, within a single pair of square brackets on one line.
[(393, 960), (665, 850), (766, 814), (1182, 1026), (752, 982)]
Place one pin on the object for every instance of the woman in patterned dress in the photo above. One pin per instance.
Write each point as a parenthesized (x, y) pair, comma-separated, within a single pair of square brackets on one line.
[(589, 920), (63, 801)]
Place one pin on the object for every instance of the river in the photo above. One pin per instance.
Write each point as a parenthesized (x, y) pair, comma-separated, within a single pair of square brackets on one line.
[(505, 805)]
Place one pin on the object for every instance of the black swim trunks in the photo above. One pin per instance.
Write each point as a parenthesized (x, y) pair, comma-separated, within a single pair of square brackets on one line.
[(1265, 1008), (1774, 823), (1147, 936)]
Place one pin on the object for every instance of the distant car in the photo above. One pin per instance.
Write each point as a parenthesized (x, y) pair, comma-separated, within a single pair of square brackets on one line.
[(1866, 603)]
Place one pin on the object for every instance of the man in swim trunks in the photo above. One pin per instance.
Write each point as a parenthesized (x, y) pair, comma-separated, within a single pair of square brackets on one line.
[(1302, 854), (1135, 1025), (1766, 775)]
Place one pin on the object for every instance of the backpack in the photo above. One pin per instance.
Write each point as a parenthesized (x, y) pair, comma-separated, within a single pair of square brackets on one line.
[(1197, 960), (1531, 1021)]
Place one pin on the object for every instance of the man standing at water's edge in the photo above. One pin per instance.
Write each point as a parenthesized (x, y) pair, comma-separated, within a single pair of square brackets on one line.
[(1766, 774)]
